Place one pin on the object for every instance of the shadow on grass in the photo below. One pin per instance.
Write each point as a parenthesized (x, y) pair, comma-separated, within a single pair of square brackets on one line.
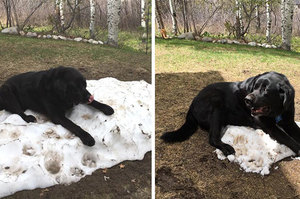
[(225, 48), (190, 169)]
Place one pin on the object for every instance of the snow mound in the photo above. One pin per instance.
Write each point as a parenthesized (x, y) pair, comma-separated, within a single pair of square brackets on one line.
[(42, 154), (255, 150)]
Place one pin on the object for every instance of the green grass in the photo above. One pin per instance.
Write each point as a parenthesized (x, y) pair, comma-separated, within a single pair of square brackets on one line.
[(27, 53), (234, 61)]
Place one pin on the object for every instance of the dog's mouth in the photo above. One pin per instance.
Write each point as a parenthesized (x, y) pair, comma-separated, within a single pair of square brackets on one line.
[(263, 110), (91, 99)]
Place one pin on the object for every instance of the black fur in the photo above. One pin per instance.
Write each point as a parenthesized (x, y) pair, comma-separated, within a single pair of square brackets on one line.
[(50, 92), (265, 101)]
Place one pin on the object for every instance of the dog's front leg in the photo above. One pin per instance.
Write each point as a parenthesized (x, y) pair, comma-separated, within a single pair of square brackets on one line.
[(85, 137), (269, 126), (292, 129), (107, 110)]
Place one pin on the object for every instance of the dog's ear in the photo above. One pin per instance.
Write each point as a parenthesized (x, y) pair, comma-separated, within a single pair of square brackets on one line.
[(248, 84), (60, 87), (287, 93)]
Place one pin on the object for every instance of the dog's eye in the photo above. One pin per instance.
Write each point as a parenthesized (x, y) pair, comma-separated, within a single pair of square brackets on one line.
[(281, 91)]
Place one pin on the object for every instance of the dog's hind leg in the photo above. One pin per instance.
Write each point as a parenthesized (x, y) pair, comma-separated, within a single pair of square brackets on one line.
[(215, 133), (10, 103), (184, 132)]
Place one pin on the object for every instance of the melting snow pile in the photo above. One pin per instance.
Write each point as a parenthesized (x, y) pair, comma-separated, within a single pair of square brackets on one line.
[(255, 151), (38, 155)]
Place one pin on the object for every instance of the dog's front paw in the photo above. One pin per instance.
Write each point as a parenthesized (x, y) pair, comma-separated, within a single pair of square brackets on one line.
[(228, 150), (29, 118), (88, 140), (108, 110)]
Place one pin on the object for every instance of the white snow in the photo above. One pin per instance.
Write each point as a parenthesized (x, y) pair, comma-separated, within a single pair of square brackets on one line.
[(38, 155), (255, 150)]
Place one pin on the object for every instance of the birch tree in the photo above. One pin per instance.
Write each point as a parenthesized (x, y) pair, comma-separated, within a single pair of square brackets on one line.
[(113, 18), (238, 19), (143, 22), (92, 19), (287, 10), (173, 15), (257, 15), (61, 13), (269, 21)]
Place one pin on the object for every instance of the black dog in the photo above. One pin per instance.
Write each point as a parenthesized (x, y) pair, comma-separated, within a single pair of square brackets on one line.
[(265, 101), (51, 92)]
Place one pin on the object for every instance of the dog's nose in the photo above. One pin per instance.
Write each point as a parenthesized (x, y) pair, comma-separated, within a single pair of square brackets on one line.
[(249, 99)]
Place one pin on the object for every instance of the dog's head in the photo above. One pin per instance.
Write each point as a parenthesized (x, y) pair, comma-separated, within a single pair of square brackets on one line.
[(270, 94), (70, 86)]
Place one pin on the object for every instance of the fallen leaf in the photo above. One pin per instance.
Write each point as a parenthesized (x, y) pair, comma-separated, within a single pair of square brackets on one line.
[(122, 166)]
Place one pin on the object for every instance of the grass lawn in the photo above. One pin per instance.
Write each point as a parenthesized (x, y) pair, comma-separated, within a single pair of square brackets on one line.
[(191, 169), (20, 54), (234, 62)]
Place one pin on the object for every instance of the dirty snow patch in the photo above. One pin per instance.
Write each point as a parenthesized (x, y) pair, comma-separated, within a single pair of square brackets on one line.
[(38, 155), (255, 151)]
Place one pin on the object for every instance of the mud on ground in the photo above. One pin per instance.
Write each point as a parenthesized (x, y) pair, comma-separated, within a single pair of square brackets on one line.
[(191, 169)]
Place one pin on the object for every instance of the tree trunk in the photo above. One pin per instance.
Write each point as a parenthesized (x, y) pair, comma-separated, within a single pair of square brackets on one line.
[(173, 15), (143, 22), (78, 17), (92, 19), (287, 10), (61, 13), (158, 16), (238, 25), (185, 16), (113, 18), (269, 21), (7, 7), (257, 14)]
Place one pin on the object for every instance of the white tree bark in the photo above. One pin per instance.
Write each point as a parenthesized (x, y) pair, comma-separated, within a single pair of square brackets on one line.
[(287, 10), (61, 12), (239, 21), (113, 19), (173, 15), (257, 15), (92, 19), (143, 22), (269, 21)]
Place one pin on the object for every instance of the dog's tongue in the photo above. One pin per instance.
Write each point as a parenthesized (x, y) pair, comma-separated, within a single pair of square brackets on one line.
[(259, 110), (91, 99)]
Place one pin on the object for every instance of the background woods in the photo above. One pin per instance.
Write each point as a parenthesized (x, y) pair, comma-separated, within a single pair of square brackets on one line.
[(86, 18), (269, 21)]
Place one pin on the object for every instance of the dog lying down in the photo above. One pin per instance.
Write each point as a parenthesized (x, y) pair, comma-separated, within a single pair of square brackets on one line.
[(50, 92), (42, 154), (265, 101)]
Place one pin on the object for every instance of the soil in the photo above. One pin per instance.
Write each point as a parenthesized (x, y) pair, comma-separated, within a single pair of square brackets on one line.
[(132, 181), (191, 169)]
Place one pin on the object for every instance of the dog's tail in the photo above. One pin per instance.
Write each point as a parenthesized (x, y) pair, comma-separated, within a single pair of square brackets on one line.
[(184, 132)]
